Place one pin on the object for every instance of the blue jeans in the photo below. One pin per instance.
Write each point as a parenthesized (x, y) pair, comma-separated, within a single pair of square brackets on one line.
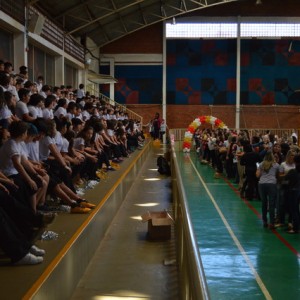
[(268, 196)]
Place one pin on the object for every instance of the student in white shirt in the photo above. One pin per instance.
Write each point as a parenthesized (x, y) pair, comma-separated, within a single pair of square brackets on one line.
[(87, 111), (49, 105), (15, 165), (22, 111), (60, 172), (60, 110), (162, 129), (40, 83), (45, 91), (30, 152), (7, 102), (12, 87), (80, 92), (35, 105)]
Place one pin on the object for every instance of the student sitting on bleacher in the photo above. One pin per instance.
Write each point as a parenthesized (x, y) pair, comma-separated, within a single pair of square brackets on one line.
[(83, 144), (110, 139), (60, 110), (99, 144), (35, 105), (49, 104), (16, 166), (22, 111), (60, 173), (15, 244), (23, 216)]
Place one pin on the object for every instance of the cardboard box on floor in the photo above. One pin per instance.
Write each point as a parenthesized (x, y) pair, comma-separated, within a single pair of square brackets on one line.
[(159, 225)]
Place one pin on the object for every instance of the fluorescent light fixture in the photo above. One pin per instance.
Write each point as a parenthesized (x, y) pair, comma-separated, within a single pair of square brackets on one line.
[(100, 78)]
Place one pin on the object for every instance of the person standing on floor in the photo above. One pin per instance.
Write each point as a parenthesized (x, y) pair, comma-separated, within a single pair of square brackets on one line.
[(249, 160), (267, 173), (162, 129), (283, 207), (156, 126), (293, 179)]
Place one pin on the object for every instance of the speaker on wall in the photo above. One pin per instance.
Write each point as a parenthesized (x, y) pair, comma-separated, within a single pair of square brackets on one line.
[(36, 23)]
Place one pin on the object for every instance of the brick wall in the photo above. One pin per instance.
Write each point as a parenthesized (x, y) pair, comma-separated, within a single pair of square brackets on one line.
[(264, 117)]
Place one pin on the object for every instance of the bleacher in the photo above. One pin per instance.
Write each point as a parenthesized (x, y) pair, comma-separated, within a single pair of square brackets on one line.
[(78, 236)]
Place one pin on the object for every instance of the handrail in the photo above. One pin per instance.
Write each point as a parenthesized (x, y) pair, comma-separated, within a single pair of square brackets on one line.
[(131, 114), (191, 273)]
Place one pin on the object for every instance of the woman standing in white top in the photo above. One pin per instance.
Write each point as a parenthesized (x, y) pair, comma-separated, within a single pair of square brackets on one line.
[(267, 173)]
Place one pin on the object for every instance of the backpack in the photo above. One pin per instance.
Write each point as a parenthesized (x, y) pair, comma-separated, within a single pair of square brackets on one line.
[(163, 166)]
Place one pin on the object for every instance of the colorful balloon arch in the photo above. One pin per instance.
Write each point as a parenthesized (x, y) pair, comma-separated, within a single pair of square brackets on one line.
[(188, 136)]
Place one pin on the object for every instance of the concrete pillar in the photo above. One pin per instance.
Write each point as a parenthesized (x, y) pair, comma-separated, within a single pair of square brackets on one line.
[(59, 70), (20, 53)]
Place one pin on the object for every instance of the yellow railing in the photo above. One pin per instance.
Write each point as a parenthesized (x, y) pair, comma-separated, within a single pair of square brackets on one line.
[(192, 281), (131, 114)]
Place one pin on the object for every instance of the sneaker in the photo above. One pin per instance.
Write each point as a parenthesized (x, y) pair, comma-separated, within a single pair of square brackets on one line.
[(101, 175), (279, 225), (84, 203), (265, 225), (44, 207), (80, 210), (29, 259), (48, 218), (87, 205), (80, 191), (115, 165), (65, 208), (292, 231), (37, 251), (217, 175), (111, 169)]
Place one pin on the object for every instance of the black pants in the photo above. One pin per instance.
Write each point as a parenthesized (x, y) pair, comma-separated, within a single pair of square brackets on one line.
[(12, 241), (22, 215), (57, 171)]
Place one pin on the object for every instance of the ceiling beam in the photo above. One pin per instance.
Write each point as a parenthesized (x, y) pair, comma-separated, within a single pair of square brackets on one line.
[(118, 10), (74, 7)]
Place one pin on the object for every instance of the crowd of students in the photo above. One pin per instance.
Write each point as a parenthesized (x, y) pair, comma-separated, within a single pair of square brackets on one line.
[(265, 167), (52, 140)]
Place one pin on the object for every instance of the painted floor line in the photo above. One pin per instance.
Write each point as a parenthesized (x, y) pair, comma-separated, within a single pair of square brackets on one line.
[(275, 232), (234, 237), (214, 183)]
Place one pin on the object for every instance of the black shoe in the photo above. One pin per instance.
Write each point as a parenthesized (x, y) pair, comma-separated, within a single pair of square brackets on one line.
[(292, 231), (265, 225)]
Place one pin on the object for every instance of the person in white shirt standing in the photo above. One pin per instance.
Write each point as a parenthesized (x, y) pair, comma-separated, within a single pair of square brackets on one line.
[(80, 92)]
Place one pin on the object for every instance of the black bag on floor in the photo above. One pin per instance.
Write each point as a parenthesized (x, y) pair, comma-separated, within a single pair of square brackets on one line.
[(163, 166)]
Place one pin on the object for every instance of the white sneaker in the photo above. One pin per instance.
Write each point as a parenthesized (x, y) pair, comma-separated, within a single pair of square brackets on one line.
[(37, 251), (30, 259)]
